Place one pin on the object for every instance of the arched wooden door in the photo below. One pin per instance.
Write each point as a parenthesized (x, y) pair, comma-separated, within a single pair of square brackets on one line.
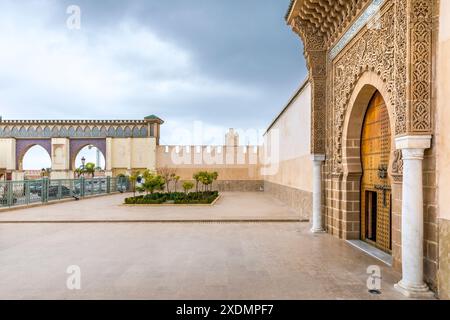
[(376, 213)]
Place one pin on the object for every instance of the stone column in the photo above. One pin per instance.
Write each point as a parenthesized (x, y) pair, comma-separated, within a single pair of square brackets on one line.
[(412, 284), (317, 226), (109, 157), (60, 156)]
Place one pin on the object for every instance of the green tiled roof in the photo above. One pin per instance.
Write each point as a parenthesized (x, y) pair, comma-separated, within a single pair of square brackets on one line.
[(153, 117)]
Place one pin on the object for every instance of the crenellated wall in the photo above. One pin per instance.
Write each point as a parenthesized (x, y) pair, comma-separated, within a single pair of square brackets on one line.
[(238, 166)]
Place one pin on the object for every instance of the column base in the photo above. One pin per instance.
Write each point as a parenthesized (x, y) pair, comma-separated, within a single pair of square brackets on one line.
[(320, 230), (414, 291)]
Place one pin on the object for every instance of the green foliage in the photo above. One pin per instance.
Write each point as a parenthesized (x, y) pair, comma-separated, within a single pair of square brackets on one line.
[(170, 177), (151, 182), (187, 185), (79, 171), (206, 179), (89, 168), (175, 197)]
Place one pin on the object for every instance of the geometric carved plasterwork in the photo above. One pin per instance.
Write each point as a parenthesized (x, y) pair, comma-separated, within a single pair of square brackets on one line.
[(357, 25), (316, 59), (397, 166), (373, 49), (420, 73), (328, 18)]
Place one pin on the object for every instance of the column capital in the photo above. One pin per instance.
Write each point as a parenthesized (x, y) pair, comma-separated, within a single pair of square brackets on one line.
[(317, 157), (413, 142)]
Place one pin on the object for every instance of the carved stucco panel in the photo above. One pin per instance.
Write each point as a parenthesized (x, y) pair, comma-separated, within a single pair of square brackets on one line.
[(420, 73), (373, 49)]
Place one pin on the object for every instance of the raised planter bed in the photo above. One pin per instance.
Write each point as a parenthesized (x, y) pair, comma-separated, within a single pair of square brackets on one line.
[(207, 198)]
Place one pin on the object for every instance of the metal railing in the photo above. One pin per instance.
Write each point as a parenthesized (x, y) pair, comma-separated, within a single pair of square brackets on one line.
[(15, 193)]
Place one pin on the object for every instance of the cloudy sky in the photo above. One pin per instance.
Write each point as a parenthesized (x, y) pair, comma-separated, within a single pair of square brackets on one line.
[(213, 63)]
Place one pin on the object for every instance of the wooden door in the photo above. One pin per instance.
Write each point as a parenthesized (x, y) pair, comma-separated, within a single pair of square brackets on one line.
[(376, 214)]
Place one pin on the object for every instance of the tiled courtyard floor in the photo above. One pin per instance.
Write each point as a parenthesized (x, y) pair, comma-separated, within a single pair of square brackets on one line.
[(231, 206), (218, 260)]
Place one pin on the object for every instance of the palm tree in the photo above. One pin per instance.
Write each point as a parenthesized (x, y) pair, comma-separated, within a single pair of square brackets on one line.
[(90, 168)]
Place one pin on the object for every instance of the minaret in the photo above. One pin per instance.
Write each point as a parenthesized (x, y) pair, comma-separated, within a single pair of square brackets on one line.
[(231, 138)]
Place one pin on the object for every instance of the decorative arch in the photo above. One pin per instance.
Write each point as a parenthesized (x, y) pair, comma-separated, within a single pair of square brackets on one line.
[(111, 131), (127, 132), (353, 119), (55, 132), (23, 132), (95, 132), (119, 132), (103, 132), (47, 132), (39, 131), (363, 91), (77, 144), (23, 145), (144, 132), (79, 132), (87, 132)]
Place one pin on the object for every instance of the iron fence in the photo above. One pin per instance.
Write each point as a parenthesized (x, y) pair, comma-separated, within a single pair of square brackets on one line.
[(15, 193)]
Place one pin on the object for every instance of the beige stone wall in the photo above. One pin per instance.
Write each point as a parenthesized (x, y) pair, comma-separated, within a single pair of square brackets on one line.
[(8, 154), (444, 259), (127, 154), (288, 144), (297, 199), (443, 109), (287, 159), (443, 147)]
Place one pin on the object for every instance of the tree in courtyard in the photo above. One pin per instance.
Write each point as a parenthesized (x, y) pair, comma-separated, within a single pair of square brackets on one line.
[(135, 176), (175, 181), (152, 182), (196, 177), (187, 185), (206, 179), (167, 174), (215, 176)]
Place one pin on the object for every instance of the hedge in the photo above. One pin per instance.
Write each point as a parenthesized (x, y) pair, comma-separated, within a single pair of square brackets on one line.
[(206, 197)]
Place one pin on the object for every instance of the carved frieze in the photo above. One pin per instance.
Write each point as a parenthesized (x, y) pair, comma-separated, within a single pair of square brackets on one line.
[(420, 43), (373, 49)]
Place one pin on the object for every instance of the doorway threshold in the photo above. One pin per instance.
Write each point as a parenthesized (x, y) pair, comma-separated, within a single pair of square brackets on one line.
[(372, 251)]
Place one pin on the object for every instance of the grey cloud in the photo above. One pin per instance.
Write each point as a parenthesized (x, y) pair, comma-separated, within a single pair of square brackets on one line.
[(243, 43)]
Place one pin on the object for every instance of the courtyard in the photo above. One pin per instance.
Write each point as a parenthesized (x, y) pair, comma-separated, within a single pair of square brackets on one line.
[(247, 246)]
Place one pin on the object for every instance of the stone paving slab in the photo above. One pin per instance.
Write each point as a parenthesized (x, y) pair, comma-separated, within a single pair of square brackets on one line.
[(232, 206), (184, 261)]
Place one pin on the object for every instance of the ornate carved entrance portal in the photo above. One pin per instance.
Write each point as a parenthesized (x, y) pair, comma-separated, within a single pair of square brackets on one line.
[(375, 184), (350, 48)]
